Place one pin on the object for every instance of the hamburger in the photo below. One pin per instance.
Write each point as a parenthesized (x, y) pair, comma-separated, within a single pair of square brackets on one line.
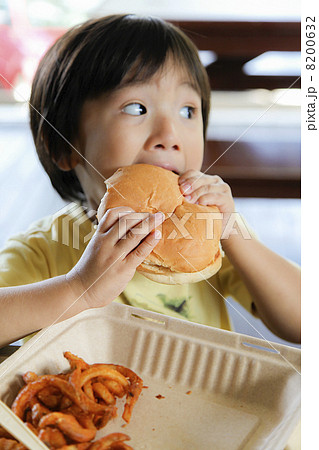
[(189, 249)]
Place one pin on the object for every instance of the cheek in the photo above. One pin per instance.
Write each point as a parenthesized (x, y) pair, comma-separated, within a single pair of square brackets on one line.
[(195, 153), (99, 148), (124, 145), (113, 150)]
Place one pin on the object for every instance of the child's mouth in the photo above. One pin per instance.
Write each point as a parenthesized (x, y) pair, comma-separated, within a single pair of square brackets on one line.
[(165, 166)]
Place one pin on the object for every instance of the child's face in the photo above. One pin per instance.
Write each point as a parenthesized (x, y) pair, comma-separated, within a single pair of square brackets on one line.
[(155, 122)]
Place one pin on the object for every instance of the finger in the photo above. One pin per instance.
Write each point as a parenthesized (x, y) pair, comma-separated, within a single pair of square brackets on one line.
[(194, 183), (211, 200), (191, 173), (126, 222), (187, 186), (186, 183), (140, 253), (224, 202), (136, 234), (130, 221), (111, 216), (202, 190), (216, 190)]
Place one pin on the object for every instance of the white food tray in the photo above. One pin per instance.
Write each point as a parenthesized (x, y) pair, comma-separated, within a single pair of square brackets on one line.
[(219, 390)]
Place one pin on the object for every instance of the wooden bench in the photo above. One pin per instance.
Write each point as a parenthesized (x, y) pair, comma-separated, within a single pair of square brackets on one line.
[(254, 168)]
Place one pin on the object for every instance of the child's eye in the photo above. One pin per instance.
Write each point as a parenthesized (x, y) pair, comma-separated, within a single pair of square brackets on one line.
[(134, 109), (187, 112)]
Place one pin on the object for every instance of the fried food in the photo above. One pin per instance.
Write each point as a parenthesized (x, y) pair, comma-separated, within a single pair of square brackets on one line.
[(102, 392), (52, 437), (11, 444), (112, 441), (29, 376), (66, 410), (69, 426)]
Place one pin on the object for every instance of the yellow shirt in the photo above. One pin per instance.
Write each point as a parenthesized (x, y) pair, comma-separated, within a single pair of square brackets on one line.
[(53, 245)]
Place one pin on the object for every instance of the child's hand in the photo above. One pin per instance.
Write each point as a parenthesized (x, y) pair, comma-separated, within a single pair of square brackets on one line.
[(207, 190), (113, 254)]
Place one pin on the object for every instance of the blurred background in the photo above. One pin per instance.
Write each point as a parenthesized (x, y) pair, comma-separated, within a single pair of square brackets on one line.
[(251, 50)]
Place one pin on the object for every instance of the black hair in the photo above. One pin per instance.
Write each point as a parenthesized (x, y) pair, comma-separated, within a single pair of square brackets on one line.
[(94, 58)]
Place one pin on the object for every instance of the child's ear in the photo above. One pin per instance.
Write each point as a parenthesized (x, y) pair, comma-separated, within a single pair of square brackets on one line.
[(68, 162), (64, 162)]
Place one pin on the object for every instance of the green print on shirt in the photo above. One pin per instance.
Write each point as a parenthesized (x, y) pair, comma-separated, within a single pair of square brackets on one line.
[(178, 305)]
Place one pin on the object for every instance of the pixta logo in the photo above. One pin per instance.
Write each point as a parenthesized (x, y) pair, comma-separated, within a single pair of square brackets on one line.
[(71, 230), (70, 221), (234, 224)]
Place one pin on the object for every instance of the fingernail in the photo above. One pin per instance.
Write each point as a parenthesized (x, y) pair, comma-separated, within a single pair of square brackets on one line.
[(159, 216), (186, 187), (124, 213), (158, 234), (188, 197)]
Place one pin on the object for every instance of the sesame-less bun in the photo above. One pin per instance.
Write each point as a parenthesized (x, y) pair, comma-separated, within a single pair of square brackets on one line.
[(189, 249)]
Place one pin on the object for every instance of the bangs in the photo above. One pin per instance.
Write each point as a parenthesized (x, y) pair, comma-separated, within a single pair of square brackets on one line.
[(143, 47), (144, 69)]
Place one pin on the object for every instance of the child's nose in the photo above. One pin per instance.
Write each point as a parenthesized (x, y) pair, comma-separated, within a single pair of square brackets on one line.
[(164, 135)]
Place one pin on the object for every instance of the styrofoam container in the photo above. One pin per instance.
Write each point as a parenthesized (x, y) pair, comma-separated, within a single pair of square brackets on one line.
[(207, 388)]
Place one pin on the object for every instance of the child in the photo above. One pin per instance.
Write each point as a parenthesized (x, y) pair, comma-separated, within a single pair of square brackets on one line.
[(112, 92)]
